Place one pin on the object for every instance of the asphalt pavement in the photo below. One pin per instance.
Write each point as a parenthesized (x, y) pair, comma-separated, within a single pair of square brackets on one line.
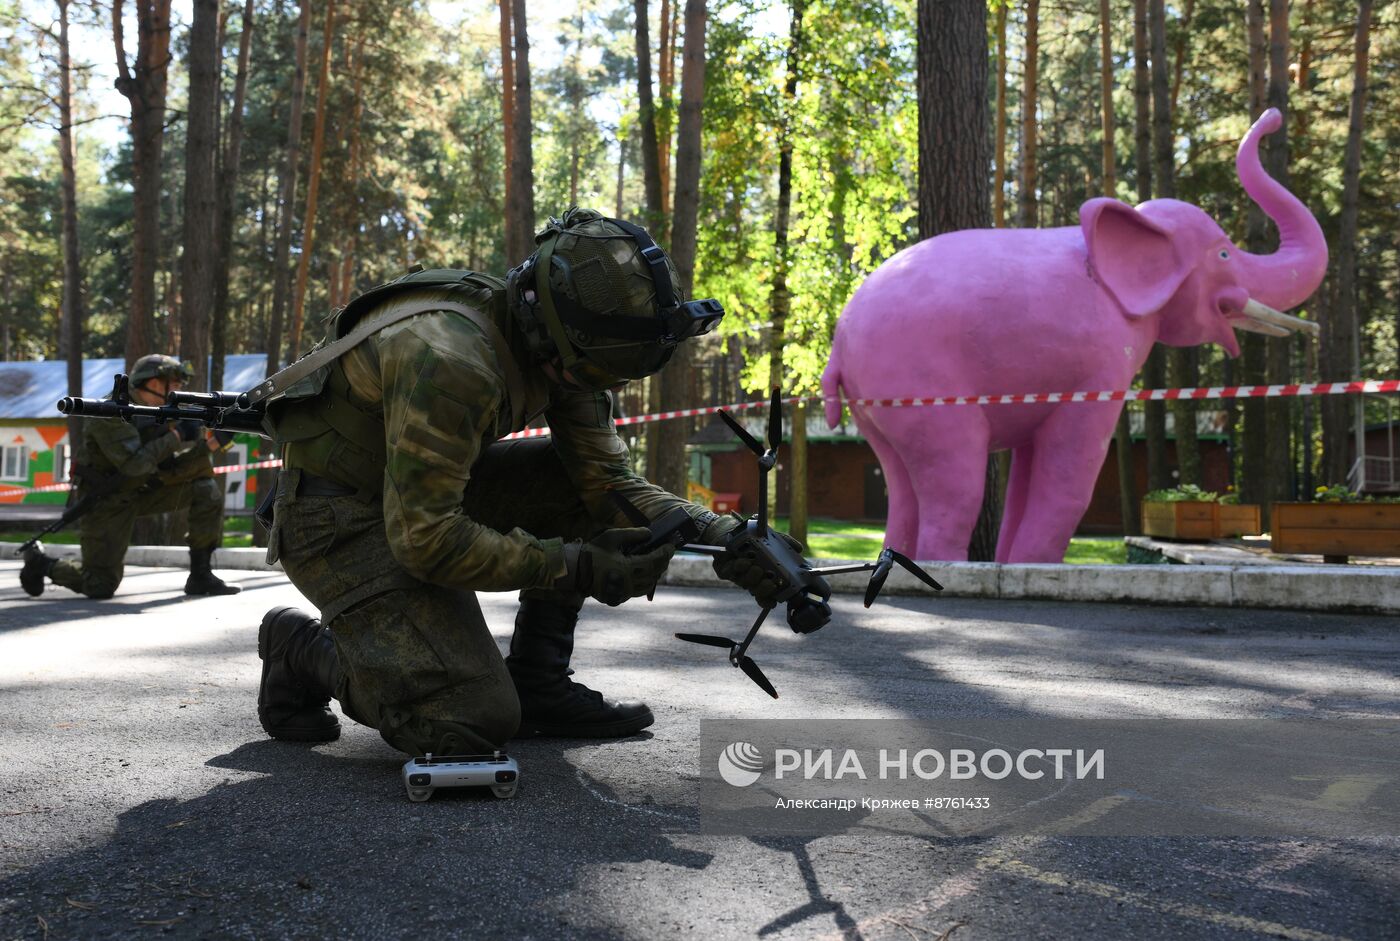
[(139, 798)]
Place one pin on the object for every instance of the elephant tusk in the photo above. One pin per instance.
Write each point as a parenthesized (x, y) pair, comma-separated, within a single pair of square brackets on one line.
[(1257, 326), (1260, 313)]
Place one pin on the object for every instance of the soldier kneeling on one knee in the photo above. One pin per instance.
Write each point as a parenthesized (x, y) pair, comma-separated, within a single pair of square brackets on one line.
[(134, 470), (399, 498)]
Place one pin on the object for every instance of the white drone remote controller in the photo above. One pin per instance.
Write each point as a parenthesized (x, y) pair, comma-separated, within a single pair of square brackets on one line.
[(422, 776)]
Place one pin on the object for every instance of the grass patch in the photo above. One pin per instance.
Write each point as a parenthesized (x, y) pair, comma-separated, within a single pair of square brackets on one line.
[(1097, 550), (840, 539)]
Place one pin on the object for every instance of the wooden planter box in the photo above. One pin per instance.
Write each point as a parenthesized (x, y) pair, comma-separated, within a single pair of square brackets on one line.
[(1183, 519), (1238, 519), (1337, 529)]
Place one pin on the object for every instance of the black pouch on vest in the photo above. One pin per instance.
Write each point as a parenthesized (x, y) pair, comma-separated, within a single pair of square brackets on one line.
[(264, 511)]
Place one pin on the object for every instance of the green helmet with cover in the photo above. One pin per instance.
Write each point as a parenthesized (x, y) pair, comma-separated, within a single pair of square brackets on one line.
[(159, 366), (601, 298)]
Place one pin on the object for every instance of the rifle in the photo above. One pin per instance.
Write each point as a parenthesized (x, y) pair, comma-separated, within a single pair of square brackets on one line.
[(97, 488), (217, 410)]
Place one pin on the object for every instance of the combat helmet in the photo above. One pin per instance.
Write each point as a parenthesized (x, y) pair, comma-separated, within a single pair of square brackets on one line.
[(599, 296), (158, 366)]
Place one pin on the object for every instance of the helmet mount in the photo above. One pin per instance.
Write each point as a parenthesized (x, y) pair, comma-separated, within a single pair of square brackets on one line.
[(606, 313)]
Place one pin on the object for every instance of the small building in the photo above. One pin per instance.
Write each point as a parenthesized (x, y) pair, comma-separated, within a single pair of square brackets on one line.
[(34, 447)]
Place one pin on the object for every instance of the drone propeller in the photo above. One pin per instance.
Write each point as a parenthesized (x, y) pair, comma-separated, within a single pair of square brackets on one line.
[(737, 652), (754, 673), (775, 421), (708, 639), (888, 559), (742, 433)]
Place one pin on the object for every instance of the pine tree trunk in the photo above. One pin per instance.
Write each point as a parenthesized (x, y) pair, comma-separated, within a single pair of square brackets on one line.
[(651, 154), (74, 317), (287, 189), (143, 83), (347, 260), (517, 243), (1182, 369), (780, 295), (999, 178), (676, 379), (1254, 470), (522, 185), (1180, 54), (228, 192), (953, 158), (1279, 366), (665, 66), (313, 184), (200, 261), (1342, 318), (1029, 205)]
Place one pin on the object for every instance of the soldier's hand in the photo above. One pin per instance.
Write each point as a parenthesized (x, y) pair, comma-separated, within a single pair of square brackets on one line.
[(604, 569), (187, 429), (744, 569)]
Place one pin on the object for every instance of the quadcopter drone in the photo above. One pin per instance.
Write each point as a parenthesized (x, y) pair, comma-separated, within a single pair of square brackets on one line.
[(801, 587)]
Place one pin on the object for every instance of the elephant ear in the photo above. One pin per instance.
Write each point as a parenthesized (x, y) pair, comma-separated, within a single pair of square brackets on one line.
[(1131, 256)]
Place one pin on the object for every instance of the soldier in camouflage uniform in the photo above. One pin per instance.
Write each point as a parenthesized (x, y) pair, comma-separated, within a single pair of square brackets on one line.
[(139, 470), (397, 500)]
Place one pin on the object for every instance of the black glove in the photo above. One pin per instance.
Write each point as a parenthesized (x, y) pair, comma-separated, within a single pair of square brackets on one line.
[(603, 569), (744, 569), (187, 429)]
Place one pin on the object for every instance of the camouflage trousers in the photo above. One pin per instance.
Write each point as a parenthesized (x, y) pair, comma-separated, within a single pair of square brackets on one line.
[(105, 531), (418, 661)]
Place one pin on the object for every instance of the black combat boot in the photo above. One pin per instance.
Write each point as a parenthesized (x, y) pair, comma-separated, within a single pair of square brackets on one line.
[(202, 580), (299, 674), (37, 566), (551, 703)]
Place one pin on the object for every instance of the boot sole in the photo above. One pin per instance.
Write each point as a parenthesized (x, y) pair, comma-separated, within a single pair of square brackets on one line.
[(328, 734), (618, 729)]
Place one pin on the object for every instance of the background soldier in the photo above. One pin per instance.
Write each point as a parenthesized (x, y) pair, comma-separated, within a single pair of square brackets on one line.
[(139, 470), (395, 504)]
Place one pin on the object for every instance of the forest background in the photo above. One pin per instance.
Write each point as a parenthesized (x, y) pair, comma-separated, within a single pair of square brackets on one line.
[(213, 176)]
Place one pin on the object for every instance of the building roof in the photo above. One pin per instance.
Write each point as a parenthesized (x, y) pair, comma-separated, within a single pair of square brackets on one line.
[(31, 389)]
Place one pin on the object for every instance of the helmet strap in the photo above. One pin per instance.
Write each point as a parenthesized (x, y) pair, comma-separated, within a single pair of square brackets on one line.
[(544, 257)]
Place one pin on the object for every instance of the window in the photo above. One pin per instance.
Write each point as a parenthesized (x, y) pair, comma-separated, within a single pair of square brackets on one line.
[(60, 463), (14, 462)]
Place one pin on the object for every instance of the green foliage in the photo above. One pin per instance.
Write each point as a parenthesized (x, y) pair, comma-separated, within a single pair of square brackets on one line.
[(1187, 493)]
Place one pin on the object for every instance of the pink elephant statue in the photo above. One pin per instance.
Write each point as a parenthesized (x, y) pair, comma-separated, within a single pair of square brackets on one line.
[(1000, 311)]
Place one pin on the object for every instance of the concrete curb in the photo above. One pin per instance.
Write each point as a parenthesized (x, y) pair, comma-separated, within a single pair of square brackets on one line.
[(1373, 590)]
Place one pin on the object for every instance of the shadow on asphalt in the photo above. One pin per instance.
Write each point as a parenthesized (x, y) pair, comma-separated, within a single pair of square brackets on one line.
[(300, 837)]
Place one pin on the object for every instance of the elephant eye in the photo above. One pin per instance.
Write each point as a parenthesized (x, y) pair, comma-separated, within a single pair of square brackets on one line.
[(1224, 253)]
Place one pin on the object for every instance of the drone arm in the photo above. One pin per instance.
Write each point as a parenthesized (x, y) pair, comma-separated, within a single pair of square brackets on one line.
[(844, 569), (703, 549)]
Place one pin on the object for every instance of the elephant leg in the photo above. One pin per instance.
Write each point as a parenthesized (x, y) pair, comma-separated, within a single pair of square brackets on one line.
[(1016, 487), (1067, 454), (944, 451), (902, 526)]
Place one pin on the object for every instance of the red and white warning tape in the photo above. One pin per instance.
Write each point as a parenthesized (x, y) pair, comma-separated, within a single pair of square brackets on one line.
[(1120, 395), (1141, 395)]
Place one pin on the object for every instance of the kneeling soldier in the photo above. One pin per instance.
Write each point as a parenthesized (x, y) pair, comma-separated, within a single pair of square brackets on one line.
[(397, 499), (139, 470)]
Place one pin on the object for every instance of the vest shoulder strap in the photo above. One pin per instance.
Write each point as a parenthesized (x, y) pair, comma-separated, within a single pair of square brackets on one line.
[(279, 382)]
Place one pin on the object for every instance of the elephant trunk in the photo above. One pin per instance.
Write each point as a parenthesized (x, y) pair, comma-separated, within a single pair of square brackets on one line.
[(1290, 275)]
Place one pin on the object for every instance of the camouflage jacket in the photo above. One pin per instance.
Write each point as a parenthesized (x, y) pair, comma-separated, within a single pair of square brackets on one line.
[(139, 454), (434, 384)]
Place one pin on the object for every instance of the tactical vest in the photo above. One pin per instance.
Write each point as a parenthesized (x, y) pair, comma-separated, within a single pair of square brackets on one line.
[(325, 432)]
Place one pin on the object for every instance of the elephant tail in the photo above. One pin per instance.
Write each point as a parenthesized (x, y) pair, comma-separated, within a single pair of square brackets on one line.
[(831, 384)]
